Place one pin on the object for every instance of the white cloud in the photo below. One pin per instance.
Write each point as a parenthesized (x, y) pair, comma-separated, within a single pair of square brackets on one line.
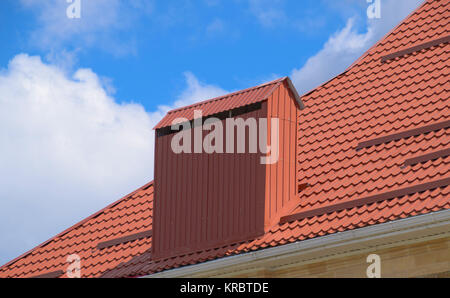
[(347, 45), (68, 148), (197, 91), (267, 12), (215, 27), (64, 59), (212, 2), (100, 21), (338, 53)]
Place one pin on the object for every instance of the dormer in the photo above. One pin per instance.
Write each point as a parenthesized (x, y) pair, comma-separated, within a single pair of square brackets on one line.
[(225, 169)]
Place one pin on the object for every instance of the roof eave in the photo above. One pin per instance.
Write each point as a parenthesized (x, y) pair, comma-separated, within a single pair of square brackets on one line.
[(364, 239)]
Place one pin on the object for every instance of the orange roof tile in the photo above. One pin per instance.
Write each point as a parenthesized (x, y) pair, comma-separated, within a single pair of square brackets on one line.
[(370, 100), (128, 216)]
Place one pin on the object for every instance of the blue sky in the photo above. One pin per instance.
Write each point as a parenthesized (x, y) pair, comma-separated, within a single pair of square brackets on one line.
[(234, 44), (79, 97)]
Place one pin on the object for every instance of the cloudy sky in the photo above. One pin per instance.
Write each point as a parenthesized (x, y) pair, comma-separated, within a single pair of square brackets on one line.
[(79, 97)]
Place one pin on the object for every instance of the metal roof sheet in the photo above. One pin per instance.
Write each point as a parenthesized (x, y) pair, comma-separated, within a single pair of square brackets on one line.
[(227, 102)]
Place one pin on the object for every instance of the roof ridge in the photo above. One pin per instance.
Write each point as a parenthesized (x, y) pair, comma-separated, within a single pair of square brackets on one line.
[(228, 95)]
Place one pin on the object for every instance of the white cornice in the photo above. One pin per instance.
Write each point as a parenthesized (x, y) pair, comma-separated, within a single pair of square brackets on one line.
[(418, 227)]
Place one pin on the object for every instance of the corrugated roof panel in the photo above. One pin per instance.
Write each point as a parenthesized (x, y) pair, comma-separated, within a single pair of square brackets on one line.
[(220, 104)]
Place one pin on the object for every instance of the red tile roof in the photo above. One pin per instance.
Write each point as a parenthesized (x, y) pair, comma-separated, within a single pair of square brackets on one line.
[(370, 100), (128, 216)]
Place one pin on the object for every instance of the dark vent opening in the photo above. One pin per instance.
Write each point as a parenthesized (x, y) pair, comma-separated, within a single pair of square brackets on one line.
[(221, 116)]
